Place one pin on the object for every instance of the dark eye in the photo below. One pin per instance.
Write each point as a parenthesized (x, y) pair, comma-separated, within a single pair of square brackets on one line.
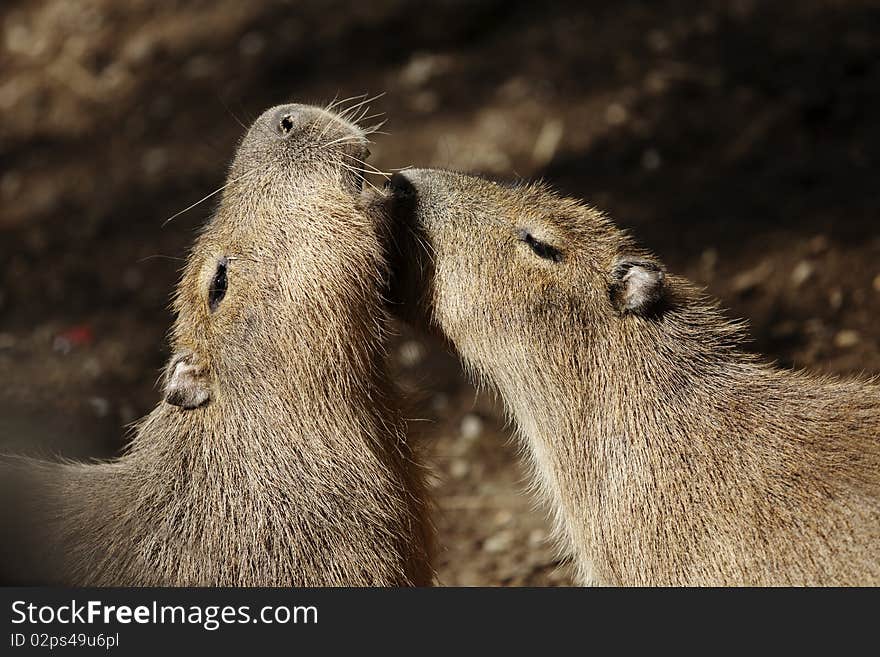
[(217, 289), (286, 124), (541, 249)]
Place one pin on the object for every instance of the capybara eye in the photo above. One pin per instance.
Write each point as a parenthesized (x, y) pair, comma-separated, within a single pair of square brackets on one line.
[(286, 124), (540, 249), (217, 289)]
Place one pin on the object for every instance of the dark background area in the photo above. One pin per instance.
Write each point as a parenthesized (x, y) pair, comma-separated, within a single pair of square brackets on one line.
[(738, 140)]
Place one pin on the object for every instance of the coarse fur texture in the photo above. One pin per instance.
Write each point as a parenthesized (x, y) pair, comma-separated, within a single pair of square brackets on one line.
[(279, 456), (668, 455)]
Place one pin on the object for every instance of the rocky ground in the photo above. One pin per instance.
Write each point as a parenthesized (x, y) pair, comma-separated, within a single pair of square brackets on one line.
[(738, 140)]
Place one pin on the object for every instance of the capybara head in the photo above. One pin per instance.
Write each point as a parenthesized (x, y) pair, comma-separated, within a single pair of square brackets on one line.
[(508, 270), (285, 264)]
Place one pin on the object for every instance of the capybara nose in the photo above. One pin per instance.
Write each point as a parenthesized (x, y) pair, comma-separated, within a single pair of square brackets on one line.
[(401, 186)]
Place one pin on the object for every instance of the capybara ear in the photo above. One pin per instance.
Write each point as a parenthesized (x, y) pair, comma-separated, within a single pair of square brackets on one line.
[(637, 285), (186, 384)]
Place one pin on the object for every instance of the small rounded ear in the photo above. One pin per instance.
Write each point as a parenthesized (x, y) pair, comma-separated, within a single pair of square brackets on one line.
[(637, 285), (186, 384)]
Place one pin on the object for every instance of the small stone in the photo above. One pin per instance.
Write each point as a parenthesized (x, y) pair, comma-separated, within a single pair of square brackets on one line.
[(651, 159), (706, 23), (90, 20), (114, 76), (132, 278), (516, 88), (153, 161), (18, 39), (11, 92), (424, 101), (45, 198), (422, 67), (459, 469), (503, 517), (76, 46), (469, 577), (751, 278), (252, 44), (100, 405), (36, 240), (140, 48), (411, 353), (877, 283), (92, 367), (417, 71), (200, 66), (616, 114), (708, 262), (62, 345), (471, 426), (161, 107), (818, 244), (655, 82), (10, 184), (846, 338), (658, 41), (547, 142), (784, 329), (835, 298), (500, 542), (801, 273), (440, 403), (815, 326)]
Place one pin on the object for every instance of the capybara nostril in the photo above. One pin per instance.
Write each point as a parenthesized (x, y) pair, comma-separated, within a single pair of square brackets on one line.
[(286, 119)]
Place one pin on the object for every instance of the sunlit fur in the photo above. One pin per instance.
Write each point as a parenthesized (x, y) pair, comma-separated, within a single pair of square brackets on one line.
[(296, 472), (668, 455)]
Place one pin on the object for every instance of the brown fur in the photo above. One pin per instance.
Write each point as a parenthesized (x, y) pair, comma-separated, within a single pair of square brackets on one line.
[(295, 471), (668, 454)]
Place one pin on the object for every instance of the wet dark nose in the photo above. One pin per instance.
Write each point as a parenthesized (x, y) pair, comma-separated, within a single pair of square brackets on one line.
[(402, 197), (401, 186)]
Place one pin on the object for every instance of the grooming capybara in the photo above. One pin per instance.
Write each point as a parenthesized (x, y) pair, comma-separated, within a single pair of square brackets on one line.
[(668, 454)]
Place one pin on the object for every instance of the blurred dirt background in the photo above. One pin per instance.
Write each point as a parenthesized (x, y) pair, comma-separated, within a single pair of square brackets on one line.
[(739, 140)]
